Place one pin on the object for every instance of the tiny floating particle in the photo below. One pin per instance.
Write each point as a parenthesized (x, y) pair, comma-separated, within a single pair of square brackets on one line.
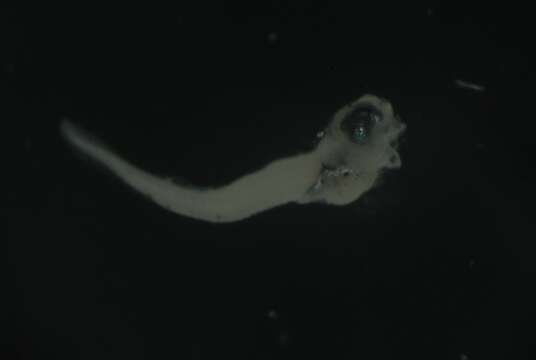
[(272, 37), (9, 68), (284, 339), (272, 314), (467, 85), (28, 144)]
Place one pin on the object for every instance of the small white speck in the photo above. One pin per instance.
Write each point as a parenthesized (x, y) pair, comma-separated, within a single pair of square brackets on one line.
[(464, 357), (320, 134), (468, 85), (28, 144), (272, 37), (9, 68), (272, 314), (284, 339)]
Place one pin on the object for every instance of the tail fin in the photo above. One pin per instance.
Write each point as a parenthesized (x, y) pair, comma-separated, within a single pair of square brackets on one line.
[(162, 191), (278, 183)]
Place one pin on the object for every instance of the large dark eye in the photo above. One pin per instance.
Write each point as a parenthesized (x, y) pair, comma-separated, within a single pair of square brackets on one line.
[(359, 123)]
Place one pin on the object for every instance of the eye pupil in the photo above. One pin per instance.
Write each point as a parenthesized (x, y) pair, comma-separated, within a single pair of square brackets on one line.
[(360, 134), (359, 123)]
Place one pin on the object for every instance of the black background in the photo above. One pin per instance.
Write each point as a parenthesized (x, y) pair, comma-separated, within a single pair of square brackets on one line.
[(437, 262)]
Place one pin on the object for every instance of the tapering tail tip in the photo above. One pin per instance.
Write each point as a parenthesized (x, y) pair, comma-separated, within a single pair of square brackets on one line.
[(67, 129)]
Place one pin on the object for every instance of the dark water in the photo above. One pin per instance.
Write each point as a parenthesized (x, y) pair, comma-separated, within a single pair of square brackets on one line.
[(435, 263)]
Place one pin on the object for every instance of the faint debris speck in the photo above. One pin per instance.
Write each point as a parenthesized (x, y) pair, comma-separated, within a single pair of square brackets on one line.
[(272, 314), (284, 339), (430, 12), (469, 85), (28, 144), (12, 197), (464, 357), (272, 37), (9, 68)]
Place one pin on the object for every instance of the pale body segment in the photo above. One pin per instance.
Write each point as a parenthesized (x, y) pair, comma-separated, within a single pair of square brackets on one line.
[(358, 143)]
